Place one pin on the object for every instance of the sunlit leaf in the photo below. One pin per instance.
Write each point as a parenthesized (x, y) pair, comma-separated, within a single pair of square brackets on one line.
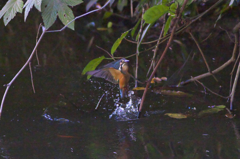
[(109, 25), (53, 8), (92, 65), (118, 42), (138, 89), (167, 25), (10, 9), (135, 28), (213, 110), (28, 6), (220, 106), (176, 115), (154, 13)]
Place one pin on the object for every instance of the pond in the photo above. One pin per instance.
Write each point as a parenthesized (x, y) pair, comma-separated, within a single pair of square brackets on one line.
[(60, 119)]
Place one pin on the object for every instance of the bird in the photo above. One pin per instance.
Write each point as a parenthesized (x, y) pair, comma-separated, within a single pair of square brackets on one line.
[(115, 72)]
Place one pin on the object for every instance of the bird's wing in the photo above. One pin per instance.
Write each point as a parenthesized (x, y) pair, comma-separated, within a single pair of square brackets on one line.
[(110, 74), (114, 64)]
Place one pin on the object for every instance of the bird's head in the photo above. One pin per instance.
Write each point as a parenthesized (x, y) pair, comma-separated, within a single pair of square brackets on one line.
[(123, 65)]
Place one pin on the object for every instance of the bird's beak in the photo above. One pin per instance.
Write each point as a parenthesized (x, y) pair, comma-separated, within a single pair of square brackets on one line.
[(126, 60)]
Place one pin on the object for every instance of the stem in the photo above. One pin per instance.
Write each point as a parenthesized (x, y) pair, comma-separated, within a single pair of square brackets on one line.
[(20, 71), (161, 58)]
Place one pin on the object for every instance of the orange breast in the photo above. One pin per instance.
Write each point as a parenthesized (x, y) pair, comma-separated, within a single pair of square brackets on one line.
[(123, 80)]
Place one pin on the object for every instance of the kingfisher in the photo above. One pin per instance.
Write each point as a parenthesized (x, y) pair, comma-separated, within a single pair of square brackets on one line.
[(115, 72)]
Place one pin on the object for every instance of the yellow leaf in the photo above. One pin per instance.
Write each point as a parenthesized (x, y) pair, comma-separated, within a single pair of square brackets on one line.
[(176, 115), (138, 89), (102, 29)]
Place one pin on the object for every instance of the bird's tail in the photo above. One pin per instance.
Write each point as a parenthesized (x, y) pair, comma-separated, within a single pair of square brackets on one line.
[(123, 92)]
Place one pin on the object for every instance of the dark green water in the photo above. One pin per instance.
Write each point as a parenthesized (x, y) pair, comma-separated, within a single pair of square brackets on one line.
[(59, 120)]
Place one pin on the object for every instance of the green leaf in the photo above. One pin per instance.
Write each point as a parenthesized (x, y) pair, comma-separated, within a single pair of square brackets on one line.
[(154, 13), (107, 15), (144, 33), (165, 2), (10, 9), (180, 2), (72, 3), (92, 65), (53, 8), (28, 6), (65, 14), (213, 110), (118, 42), (173, 8), (135, 28), (109, 25), (176, 115), (167, 25)]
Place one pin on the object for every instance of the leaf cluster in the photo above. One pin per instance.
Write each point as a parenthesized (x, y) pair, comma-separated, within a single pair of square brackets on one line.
[(51, 9)]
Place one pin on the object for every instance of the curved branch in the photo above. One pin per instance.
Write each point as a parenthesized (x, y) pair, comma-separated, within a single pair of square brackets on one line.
[(20, 71), (161, 58)]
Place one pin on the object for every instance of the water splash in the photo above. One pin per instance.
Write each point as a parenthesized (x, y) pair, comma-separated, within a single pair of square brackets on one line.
[(126, 111)]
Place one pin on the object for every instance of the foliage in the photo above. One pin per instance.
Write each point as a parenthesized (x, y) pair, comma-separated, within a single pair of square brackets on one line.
[(10, 9), (92, 65), (118, 42), (50, 10), (28, 6)]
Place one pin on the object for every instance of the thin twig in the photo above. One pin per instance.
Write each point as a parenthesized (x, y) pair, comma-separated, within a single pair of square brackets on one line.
[(182, 28), (232, 59), (206, 38), (36, 42), (210, 89), (234, 87), (14, 78), (161, 58), (227, 34), (204, 59), (155, 51), (234, 66), (131, 6), (30, 68), (99, 101), (137, 49), (52, 31), (106, 52)]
